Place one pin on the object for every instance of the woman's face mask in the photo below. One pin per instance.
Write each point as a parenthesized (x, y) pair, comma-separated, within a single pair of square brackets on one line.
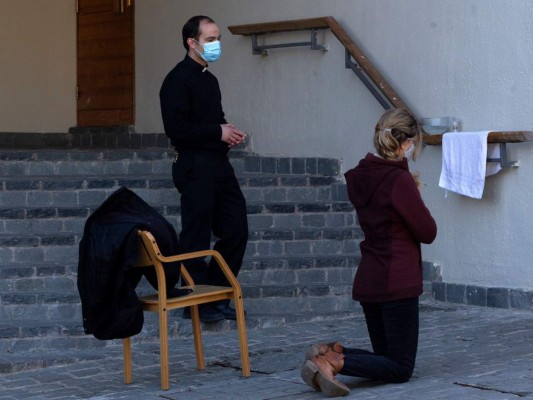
[(212, 51), (409, 152)]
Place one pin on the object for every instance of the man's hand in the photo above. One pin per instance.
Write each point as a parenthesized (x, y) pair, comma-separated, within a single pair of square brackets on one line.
[(231, 135)]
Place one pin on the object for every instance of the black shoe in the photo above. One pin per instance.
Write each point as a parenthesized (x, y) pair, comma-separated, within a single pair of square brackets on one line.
[(207, 312), (227, 311), (177, 292)]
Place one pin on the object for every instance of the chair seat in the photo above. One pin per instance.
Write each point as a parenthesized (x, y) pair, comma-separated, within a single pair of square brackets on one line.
[(205, 292)]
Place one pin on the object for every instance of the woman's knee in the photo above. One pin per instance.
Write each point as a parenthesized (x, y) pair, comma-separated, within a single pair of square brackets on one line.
[(403, 375)]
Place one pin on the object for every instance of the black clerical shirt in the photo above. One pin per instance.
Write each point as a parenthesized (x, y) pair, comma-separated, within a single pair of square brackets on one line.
[(191, 108)]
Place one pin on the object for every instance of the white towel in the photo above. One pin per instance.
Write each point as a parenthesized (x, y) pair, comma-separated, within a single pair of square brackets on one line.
[(464, 163)]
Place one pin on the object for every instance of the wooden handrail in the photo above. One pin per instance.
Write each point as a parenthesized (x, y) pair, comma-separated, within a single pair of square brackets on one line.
[(493, 137), (348, 43), (280, 26)]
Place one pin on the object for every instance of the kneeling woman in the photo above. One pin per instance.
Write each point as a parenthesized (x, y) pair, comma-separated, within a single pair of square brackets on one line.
[(395, 221)]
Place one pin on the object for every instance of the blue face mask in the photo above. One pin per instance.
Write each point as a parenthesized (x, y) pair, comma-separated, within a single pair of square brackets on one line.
[(212, 51)]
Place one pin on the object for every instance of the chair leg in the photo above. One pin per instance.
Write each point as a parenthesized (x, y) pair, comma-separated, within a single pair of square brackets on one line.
[(243, 341), (126, 347), (163, 349), (197, 333)]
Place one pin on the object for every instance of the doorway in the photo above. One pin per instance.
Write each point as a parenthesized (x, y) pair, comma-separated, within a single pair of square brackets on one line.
[(105, 63)]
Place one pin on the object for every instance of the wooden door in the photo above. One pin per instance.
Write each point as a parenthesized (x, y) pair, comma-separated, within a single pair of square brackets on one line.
[(105, 62)]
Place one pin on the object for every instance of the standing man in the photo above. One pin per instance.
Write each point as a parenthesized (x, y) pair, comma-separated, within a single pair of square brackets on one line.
[(211, 199)]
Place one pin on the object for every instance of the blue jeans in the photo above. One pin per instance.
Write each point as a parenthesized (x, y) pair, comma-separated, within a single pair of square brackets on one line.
[(393, 330)]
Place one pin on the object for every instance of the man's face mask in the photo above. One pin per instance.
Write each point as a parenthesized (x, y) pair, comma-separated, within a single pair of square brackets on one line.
[(212, 51)]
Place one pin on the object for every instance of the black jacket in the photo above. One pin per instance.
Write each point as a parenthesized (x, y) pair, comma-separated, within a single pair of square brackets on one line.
[(191, 108), (109, 247)]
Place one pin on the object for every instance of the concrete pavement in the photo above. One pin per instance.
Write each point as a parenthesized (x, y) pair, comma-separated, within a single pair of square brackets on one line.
[(465, 352)]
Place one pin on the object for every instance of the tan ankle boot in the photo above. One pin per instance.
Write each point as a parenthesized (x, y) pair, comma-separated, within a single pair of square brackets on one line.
[(334, 359), (320, 349), (320, 371)]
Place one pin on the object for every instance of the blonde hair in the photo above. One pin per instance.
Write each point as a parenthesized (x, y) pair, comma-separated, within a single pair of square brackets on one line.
[(393, 128)]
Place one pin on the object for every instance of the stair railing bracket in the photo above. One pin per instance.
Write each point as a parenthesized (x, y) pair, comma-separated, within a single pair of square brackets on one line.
[(263, 49), (504, 163)]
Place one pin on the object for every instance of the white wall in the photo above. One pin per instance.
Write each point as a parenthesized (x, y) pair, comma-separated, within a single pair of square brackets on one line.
[(37, 65), (470, 59)]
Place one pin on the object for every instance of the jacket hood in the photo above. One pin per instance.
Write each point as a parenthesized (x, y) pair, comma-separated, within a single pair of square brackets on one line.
[(363, 180)]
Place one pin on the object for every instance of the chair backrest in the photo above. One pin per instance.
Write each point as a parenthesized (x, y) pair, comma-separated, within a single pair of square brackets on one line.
[(144, 259), (148, 256)]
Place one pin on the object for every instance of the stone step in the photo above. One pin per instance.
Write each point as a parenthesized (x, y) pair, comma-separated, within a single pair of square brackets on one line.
[(118, 137), (147, 180), (17, 163), (155, 196), (266, 227), (261, 216), (63, 304), (325, 273), (326, 188), (19, 288), (273, 262), (85, 163), (296, 290), (54, 232), (32, 256), (31, 292), (37, 357), (63, 307), (52, 283), (268, 235), (19, 334), (41, 270), (44, 239), (33, 212)]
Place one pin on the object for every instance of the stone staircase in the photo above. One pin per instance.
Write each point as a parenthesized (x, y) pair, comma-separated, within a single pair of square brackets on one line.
[(299, 264)]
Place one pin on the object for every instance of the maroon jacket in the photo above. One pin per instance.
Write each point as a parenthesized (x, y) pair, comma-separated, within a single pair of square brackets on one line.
[(395, 221)]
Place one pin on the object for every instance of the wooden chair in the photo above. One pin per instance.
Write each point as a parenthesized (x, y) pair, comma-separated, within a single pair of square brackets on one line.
[(149, 255)]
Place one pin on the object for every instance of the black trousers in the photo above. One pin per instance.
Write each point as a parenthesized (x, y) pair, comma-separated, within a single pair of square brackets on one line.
[(211, 203), (393, 329)]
